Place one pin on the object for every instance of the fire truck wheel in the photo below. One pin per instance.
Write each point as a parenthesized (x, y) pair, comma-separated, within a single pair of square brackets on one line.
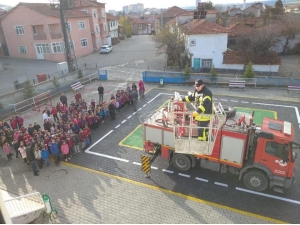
[(230, 111), (256, 180), (181, 162)]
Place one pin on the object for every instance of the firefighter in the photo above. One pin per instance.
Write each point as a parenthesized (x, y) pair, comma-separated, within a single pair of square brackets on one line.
[(203, 99)]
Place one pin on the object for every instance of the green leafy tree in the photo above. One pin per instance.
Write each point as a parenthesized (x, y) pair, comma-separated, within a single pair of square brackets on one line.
[(79, 74), (249, 72), (125, 23), (28, 90), (187, 70), (55, 82), (278, 10), (213, 74)]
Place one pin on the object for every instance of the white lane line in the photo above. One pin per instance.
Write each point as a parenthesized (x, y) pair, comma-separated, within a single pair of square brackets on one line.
[(234, 101), (98, 141), (221, 184), (123, 121), (269, 196), (136, 163), (286, 106), (244, 102), (117, 126), (201, 179), (134, 113), (184, 175), (215, 98), (167, 171), (139, 109), (153, 167), (225, 100), (129, 117), (144, 105), (108, 156)]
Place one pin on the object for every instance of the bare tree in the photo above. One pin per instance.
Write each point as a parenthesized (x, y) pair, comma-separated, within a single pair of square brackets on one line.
[(260, 41), (289, 28), (171, 42)]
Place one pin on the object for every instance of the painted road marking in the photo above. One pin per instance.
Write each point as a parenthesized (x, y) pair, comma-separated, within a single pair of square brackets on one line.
[(215, 98), (269, 196), (167, 171), (153, 167), (184, 175), (88, 150), (123, 121), (144, 105), (117, 126), (108, 156), (139, 109), (134, 113), (225, 100), (221, 184), (234, 101), (201, 179), (136, 163), (129, 117), (244, 102)]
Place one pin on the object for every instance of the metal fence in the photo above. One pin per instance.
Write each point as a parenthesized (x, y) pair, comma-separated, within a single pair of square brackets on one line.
[(179, 78), (24, 204), (38, 99)]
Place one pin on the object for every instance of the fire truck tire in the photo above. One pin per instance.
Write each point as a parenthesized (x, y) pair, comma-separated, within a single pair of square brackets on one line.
[(256, 180), (181, 162), (230, 111)]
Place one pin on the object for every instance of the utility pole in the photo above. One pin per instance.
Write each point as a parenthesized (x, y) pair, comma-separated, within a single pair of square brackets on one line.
[(69, 53)]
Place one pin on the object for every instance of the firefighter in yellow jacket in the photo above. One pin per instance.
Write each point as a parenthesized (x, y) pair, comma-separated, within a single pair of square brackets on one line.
[(203, 97)]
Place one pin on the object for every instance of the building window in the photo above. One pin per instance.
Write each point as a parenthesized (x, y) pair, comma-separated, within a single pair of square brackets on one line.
[(97, 28), (57, 47), (43, 48), (22, 49), (104, 26), (69, 27), (19, 30), (50, 28), (95, 13), (72, 46), (206, 63), (81, 25), (84, 42), (275, 149), (34, 30), (103, 12), (85, 10), (193, 42)]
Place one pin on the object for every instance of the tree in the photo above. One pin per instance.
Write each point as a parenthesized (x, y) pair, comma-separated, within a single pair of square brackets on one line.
[(28, 90), (55, 82), (187, 70), (249, 73), (79, 74), (209, 5), (289, 28), (170, 41), (278, 10), (126, 25), (260, 41)]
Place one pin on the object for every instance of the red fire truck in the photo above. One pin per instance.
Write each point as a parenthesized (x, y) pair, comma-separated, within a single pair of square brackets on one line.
[(263, 157)]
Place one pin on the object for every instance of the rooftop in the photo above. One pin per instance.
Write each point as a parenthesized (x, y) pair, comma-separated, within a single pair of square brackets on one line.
[(111, 17), (171, 12), (239, 57), (237, 29), (202, 27)]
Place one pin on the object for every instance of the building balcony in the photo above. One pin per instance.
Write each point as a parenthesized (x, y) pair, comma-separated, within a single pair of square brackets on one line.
[(56, 35), (38, 37)]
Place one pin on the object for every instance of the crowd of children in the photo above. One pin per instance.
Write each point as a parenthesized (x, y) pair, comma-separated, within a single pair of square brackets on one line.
[(66, 130)]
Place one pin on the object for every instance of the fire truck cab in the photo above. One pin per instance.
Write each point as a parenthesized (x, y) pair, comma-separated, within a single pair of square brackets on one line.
[(263, 157)]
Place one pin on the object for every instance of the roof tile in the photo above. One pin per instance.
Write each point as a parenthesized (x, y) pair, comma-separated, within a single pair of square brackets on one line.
[(171, 12), (238, 29), (202, 27)]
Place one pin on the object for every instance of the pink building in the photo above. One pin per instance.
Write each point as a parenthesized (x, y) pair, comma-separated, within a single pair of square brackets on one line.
[(33, 30)]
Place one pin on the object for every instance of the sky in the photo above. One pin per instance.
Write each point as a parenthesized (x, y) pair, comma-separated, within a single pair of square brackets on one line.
[(117, 4)]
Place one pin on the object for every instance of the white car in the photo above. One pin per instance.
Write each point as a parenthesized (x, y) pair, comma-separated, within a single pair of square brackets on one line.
[(106, 49)]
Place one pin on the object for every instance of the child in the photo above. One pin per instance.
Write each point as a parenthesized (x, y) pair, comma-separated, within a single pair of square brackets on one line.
[(7, 150), (65, 150), (20, 121), (38, 157), (93, 103), (22, 150), (45, 155)]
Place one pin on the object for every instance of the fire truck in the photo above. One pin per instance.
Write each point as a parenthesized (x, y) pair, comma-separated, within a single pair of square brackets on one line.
[(262, 157)]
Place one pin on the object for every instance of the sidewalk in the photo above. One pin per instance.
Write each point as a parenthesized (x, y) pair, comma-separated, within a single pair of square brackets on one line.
[(81, 195)]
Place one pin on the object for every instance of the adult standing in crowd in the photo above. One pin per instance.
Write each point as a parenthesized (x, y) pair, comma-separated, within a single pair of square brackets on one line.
[(77, 97), (100, 92), (31, 159), (112, 110), (63, 99), (134, 98)]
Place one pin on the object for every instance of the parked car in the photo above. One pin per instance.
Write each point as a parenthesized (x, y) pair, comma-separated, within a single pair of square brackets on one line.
[(106, 49)]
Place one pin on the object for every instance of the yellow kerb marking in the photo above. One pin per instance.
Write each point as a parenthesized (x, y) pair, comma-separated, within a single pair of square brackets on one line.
[(178, 194)]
